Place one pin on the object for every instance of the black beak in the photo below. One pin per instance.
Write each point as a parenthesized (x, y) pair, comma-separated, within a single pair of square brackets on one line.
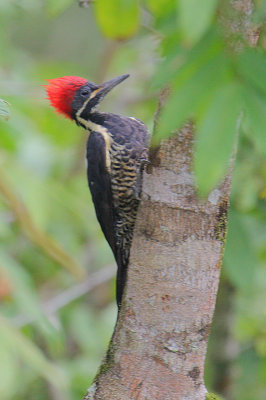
[(109, 85)]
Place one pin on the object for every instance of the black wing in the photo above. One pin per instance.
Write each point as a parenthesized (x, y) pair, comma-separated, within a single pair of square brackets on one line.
[(133, 137), (130, 131), (100, 186)]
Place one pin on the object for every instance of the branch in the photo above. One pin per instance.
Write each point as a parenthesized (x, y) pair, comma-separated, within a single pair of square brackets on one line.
[(62, 299)]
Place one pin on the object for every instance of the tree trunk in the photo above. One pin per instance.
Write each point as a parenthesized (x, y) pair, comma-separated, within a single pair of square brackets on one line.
[(159, 344)]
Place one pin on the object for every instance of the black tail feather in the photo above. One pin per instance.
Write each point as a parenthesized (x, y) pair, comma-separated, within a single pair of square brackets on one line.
[(121, 277)]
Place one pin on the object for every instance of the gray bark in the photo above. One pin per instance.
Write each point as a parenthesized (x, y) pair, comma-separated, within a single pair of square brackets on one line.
[(159, 344)]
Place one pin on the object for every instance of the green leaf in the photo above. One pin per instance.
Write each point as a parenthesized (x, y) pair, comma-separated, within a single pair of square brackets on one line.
[(216, 137), (118, 19), (56, 7), (239, 259), (4, 110), (30, 354), (195, 17), (160, 7), (255, 113), (9, 372), (260, 345), (259, 11), (180, 64), (251, 65), (193, 88), (212, 396), (167, 69)]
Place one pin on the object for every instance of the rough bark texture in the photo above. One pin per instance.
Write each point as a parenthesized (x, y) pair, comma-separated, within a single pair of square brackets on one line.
[(159, 345), (158, 349)]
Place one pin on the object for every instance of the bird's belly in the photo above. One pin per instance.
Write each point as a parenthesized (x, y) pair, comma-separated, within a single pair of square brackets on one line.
[(123, 183), (123, 174)]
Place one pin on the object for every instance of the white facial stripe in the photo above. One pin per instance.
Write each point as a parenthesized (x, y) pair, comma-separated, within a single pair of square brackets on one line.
[(94, 93), (82, 108), (91, 126), (86, 102)]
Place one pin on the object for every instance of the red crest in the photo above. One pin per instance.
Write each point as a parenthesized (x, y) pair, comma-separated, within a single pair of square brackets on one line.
[(61, 92)]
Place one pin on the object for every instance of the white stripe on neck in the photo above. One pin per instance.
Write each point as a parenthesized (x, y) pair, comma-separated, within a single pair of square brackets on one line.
[(92, 127)]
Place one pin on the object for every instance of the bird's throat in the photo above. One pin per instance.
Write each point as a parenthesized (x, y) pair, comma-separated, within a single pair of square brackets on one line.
[(91, 126)]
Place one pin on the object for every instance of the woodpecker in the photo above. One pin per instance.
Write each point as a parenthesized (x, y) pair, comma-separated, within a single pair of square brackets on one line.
[(117, 151)]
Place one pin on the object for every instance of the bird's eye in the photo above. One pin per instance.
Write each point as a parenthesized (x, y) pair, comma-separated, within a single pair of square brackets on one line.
[(85, 92)]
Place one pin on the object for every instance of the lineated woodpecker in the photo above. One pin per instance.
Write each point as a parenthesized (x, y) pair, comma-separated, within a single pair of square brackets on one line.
[(116, 155)]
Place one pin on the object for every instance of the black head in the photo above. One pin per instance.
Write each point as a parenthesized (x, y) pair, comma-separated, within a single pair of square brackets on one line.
[(89, 95)]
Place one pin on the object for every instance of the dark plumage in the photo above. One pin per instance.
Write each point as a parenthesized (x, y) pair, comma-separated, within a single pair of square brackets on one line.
[(116, 154)]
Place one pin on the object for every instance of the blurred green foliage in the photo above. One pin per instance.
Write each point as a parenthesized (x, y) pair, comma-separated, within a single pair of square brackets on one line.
[(50, 239)]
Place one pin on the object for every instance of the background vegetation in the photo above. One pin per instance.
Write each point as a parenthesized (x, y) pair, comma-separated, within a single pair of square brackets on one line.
[(57, 298)]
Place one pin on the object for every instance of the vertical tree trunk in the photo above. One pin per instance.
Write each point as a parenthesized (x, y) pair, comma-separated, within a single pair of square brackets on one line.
[(159, 345), (158, 349)]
